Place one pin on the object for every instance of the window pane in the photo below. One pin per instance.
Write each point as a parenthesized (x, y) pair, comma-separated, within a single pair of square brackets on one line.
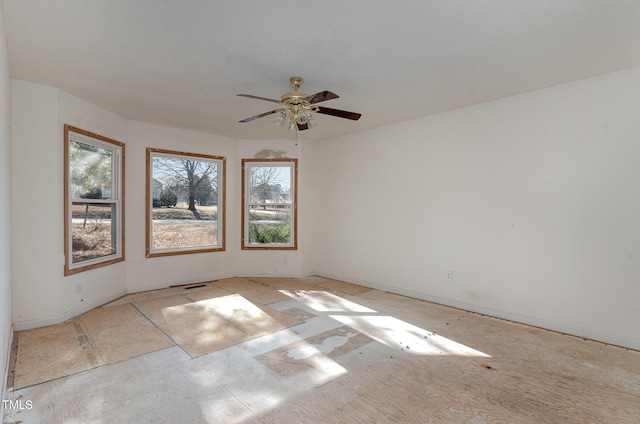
[(177, 228), (92, 231), (270, 184), (90, 169), (186, 202), (270, 224)]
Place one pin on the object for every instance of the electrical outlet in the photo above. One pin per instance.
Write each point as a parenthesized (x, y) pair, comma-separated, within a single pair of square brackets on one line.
[(78, 288), (419, 270), (286, 261), (449, 275)]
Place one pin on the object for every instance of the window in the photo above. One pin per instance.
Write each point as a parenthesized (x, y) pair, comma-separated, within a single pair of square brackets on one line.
[(93, 200), (185, 203), (269, 203)]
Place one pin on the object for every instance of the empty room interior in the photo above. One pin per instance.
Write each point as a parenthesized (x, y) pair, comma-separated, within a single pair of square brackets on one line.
[(320, 212)]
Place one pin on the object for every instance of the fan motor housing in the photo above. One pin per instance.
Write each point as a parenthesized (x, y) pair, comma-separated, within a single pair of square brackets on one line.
[(293, 97)]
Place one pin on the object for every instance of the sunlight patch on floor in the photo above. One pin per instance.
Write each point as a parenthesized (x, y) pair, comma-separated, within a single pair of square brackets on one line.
[(323, 301), (385, 329), (204, 326), (398, 334)]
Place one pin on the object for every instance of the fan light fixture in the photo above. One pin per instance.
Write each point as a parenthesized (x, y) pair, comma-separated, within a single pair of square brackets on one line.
[(299, 107), (298, 110)]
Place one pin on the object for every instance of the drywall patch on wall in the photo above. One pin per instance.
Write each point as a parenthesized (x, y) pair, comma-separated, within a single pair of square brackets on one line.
[(270, 154)]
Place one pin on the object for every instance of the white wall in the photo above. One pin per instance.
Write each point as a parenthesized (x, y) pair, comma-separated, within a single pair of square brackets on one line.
[(530, 200), (5, 207), (41, 293), (151, 273)]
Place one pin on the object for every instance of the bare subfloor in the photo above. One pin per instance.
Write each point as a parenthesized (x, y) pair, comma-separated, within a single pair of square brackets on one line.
[(311, 350)]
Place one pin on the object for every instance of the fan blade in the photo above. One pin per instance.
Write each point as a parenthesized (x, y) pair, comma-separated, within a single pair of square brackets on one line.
[(271, 112), (339, 113), (321, 97), (258, 97), (302, 127)]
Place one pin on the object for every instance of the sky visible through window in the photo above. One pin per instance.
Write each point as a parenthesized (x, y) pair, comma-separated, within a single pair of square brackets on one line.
[(283, 176)]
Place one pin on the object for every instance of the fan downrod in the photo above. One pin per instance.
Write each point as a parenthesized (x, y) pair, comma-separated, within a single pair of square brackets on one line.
[(296, 82)]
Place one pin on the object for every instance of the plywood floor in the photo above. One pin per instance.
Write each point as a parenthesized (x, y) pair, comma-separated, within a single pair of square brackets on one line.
[(270, 350)]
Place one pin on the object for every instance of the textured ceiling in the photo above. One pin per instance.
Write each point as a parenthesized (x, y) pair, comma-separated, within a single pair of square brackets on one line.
[(181, 63)]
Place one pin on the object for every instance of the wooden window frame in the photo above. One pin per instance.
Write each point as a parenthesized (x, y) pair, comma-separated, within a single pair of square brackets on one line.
[(221, 211), (118, 200), (246, 163)]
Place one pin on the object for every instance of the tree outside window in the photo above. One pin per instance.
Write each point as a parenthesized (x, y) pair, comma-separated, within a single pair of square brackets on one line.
[(185, 203)]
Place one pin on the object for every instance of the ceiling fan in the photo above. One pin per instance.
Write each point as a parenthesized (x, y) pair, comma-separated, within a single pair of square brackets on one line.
[(298, 107)]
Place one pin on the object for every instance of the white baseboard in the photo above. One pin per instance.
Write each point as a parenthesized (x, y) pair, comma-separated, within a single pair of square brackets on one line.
[(6, 373), (496, 313), (510, 316), (159, 286), (28, 325), (270, 275)]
